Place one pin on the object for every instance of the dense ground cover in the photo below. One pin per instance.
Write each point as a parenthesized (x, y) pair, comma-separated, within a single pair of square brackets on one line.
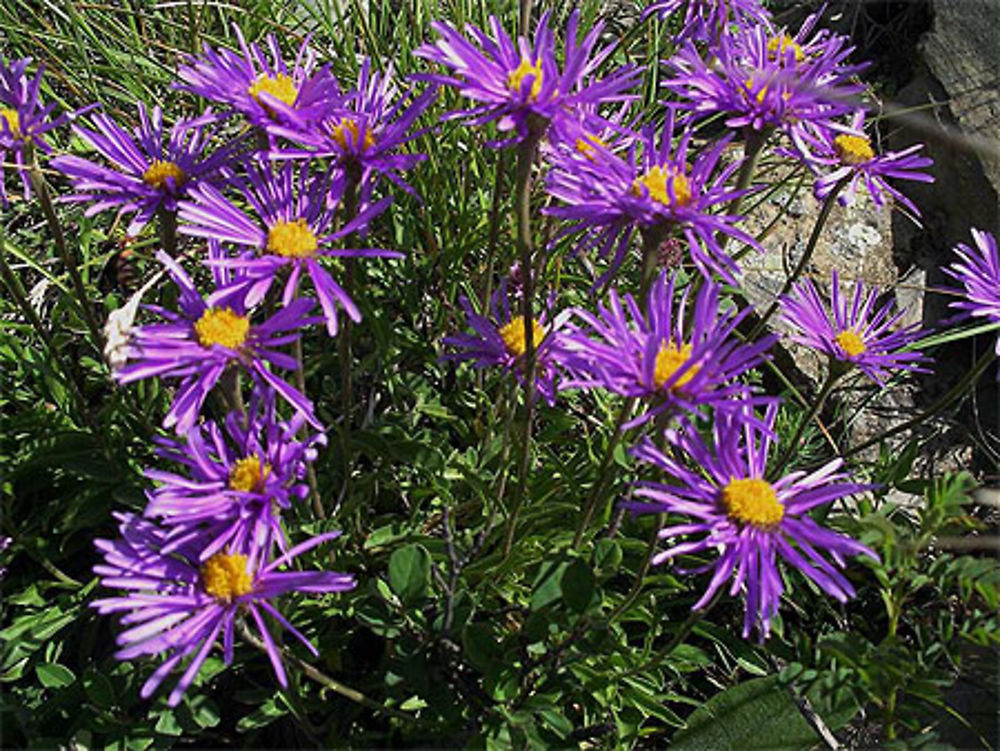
[(617, 554)]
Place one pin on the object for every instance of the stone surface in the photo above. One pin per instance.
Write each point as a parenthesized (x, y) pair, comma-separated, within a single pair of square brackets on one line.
[(856, 240), (952, 105), (962, 52)]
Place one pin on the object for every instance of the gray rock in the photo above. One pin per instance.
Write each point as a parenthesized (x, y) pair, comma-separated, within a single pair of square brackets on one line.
[(952, 105)]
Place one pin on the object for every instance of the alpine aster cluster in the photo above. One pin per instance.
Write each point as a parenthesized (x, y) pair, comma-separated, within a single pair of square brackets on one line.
[(286, 202)]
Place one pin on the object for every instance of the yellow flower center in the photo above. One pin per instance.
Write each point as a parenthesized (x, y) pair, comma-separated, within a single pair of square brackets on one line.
[(851, 342), (853, 150), (222, 326), (13, 121), (760, 94), (753, 501), (345, 133), (586, 144), (225, 576), (159, 172), (291, 239), (281, 87), (656, 183), (513, 335), (778, 46), (247, 475), (669, 360), (516, 76)]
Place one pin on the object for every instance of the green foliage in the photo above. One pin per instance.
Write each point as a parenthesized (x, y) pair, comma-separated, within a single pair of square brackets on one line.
[(553, 645)]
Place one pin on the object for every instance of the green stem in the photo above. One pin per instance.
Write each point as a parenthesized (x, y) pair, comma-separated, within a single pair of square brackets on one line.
[(233, 391), (831, 380), (952, 395), (525, 18), (753, 147), (350, 203), (494, 229), (13, 285), (300, 382), (890, 715), (522, 205), (350, 212), (41, 189), (693, 619), (652, 237), (817, 229), (602, 473), (647, 559), (322, 678), (167, 225)]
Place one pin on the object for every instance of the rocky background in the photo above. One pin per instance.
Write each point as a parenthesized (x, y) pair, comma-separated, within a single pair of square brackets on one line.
[(936, 66)]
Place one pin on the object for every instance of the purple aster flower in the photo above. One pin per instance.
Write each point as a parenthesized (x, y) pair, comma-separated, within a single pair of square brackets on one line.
[(237, 479), (178, 604), (654, 188), (500, 341), (750, 520), (23, 119), (289, 229), (678, 358), (979, 272), (587, 132), (763, 80), (206, 337), (364, 131), (150, 169), (848, 155), (521, 84), (855, 330), (707, 20), (265, 91)]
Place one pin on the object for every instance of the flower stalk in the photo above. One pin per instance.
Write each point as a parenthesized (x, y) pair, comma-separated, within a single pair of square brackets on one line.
[(836, 370), (602, 472), (824, 215), (526, 152), (41, 189)]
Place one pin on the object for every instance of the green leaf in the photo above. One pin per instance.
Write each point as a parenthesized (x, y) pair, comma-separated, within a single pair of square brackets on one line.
[(54, 675), (204, 711), (410, 573), (265, 714), (479, 646), (756, 714), (547, 588), (578, 585), (99, 689), (607, 555), (168, 724)]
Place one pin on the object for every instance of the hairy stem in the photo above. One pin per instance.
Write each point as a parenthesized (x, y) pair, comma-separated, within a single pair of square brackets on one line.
[(13, 285), (753, 147), (300, 382), (494, 229), (652, 237), (685, 629), (322, 678), (525, 17), (350, 204), (522, 204), (167, 226), (231, 387), (647, 560), (602, 473), (835, 371), (817, 229), (41, 189), (953, 394)]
